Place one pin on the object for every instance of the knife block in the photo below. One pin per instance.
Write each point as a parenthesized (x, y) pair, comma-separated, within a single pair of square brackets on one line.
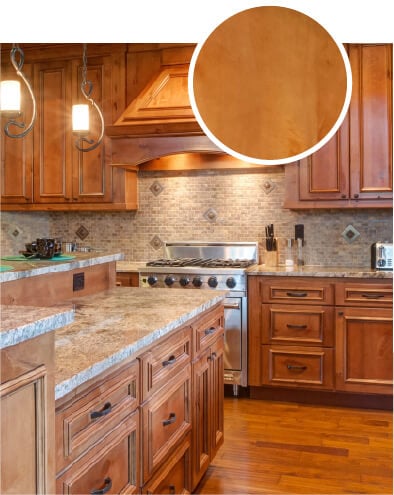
[(271, 258)]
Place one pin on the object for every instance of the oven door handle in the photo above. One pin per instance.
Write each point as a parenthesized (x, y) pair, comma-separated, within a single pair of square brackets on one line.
[(231, 306)]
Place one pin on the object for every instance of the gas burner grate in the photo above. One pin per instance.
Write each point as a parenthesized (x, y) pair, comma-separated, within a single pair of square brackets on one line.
[(202, 262), (225, 263)]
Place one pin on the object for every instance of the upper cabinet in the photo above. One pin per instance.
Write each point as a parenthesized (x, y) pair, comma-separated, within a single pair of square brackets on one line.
[(354, 169), (44, 170)]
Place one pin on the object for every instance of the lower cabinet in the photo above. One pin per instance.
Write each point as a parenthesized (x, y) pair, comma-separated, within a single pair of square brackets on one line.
[(321, 334), (27, 417), (208, 386)]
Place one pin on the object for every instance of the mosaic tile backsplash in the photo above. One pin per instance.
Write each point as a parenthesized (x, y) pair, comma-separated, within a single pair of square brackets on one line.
[(212, 206)]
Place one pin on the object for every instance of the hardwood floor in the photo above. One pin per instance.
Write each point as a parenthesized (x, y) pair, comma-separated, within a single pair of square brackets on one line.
[(273, 447)]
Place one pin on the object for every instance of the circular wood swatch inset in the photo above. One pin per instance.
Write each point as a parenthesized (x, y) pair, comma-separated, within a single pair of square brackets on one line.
[(270, 85)]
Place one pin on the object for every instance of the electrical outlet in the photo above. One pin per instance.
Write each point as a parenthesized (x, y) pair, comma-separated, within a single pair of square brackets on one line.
[(78, 281)]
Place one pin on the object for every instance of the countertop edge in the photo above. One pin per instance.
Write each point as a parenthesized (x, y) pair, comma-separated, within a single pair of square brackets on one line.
[(318, 271)]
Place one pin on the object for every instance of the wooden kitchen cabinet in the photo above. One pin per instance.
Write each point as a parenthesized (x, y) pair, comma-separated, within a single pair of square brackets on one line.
[(208, 386), (17, 153), (127, 279), (27, 417), (52, 174), (291, 332), (354, 169), (320, 334), (364, 338), (97, 435)]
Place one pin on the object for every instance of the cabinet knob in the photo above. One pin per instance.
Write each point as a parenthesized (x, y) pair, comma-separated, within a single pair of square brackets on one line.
[(343, 196), (356, 195), (340, 313)]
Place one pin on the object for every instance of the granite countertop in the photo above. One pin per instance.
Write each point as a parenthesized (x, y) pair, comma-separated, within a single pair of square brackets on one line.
[(119, 323), (318, 271), (20, 323), (31, 268)]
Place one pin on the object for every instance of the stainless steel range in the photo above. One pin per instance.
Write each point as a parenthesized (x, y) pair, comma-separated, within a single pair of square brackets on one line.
[(213, 266)]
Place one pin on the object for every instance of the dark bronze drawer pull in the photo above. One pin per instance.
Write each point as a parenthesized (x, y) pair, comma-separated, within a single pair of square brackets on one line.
[(372, 296), (105, 410), (171, 489), (298, 327), (105, 489), (171, 360), (208, 331), (294, 367), (170, 420), (296, 294)]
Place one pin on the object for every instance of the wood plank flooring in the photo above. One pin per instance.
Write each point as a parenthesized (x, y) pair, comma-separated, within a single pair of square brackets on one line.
[(274, 447)]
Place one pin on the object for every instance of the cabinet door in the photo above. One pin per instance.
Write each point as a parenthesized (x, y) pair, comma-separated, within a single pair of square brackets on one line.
[(324, 175), (91, 177), (371, 130), (217, 395), (364, 350), (52, 136), (17, 153)]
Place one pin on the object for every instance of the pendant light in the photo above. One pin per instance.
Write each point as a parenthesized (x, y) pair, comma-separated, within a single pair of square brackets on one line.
[(10, 97), (81, 112)]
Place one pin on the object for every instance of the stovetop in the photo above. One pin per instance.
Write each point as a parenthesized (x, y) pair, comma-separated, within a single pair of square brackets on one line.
[(202, 262)]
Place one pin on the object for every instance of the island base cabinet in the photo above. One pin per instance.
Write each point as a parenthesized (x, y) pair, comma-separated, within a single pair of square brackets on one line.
[(110, 467), (364, 350), (208, 385), (27, 418), (175, 476)]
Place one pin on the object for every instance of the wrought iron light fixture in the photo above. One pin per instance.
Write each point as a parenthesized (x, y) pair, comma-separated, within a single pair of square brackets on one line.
[(80, 113), (10, 97)]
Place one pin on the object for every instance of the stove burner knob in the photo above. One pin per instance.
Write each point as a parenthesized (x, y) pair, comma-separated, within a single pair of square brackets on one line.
[(169, 280), (197, 281), (152, 280), (184, 281), (212, 282), (231, 283)]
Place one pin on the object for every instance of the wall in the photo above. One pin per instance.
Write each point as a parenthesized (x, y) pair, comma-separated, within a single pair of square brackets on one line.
[(207, 205)]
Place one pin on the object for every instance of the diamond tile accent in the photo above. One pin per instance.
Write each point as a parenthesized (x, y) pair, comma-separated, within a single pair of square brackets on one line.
[(350, 234), (82, 232), (156, 188), (268, 186), (156, 242), (210, 215)]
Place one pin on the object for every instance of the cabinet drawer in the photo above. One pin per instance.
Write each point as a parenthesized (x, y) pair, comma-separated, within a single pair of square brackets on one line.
[(307, 367), (164, 361), (91, 417), (165, 419), (372, 295), (174, 477), (208, 330), (111, 466), (293, 290), (299, 325)]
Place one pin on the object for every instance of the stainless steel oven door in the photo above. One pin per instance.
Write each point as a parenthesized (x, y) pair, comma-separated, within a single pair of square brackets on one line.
[(235, 341)]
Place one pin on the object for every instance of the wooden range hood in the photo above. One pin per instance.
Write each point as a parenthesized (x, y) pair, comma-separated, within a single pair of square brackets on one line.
[(158, 123)]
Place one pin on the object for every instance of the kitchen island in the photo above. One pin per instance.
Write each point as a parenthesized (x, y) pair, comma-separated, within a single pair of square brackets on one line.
[(120, 369)]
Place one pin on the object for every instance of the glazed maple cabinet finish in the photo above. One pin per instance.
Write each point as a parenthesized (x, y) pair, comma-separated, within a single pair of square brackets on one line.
[(174, 476), (321, 334), (364, 338), (51, 173), (354, 169), (27, 417), (17, 154), (208, 385)]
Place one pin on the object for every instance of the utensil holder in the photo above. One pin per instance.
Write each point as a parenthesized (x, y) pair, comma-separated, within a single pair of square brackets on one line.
[(271, 258)]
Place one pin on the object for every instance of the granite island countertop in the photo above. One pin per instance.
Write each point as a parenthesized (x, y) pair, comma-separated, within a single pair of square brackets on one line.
[(20, 323), (30, 268), (117, 324), (318, 271)]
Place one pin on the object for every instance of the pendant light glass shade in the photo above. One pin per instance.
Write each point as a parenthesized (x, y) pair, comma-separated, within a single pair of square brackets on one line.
[(10, 97), (80, 118)]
